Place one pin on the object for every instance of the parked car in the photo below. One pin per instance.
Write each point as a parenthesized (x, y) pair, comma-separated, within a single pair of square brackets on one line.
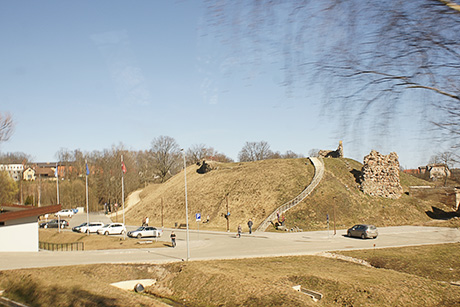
[(363, 231), (54, 224), (77, 228), (112, 228), (65, 212), (146, 231), (92, 227)]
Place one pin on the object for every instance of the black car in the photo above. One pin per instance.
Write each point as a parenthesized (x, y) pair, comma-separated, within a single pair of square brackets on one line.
[(54, 224)]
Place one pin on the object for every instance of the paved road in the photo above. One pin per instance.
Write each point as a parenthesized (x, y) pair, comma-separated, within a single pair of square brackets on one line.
[(223, 245)]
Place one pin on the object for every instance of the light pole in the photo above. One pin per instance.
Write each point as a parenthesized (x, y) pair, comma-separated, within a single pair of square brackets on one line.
[(186, 204)]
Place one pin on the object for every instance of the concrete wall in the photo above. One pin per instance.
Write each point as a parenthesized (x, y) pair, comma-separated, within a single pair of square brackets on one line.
[(19, 235)]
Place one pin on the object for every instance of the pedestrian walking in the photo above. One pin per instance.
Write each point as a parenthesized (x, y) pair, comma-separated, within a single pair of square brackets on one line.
[(146, 221), (173, 239), (240, 230), (250, 223)]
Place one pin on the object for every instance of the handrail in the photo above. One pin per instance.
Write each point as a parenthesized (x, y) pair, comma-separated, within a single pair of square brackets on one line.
[(319, 172)]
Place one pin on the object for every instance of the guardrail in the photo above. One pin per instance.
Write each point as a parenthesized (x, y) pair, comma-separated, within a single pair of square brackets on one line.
[(319, 171), (75, 246)]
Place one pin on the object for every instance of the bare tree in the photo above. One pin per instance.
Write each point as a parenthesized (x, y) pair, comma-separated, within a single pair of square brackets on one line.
[(166, 155), (447, 157), (255, 151), (374, 58), (6, 126)]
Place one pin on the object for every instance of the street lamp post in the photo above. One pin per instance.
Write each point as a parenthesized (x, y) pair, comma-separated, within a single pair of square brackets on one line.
[(186, 205)]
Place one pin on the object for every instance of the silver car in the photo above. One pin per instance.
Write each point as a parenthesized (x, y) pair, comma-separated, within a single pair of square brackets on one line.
[(363, 231), (146, 231)]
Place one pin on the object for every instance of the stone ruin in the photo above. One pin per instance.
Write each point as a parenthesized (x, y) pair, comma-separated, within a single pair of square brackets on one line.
[(204, 167), (332, 153), (380, 175)]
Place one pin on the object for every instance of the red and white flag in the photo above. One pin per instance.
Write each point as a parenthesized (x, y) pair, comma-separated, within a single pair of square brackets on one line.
[(123, 167)]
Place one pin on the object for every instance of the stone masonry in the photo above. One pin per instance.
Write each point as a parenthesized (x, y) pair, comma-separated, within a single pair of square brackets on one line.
[(380, 175), (332, 153)]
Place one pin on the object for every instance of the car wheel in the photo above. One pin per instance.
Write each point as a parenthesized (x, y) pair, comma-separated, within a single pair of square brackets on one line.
[(348, 234), (139, 236), (46, 226), (106, 233), (375, 237), (363, 236), (87, 231)]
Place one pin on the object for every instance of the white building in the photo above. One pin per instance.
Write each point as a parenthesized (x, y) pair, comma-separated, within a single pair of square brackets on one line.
[(19, 227), (14, 170)]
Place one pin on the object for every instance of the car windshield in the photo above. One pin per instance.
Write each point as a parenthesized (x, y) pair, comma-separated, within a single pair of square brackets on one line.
[(140, 228)]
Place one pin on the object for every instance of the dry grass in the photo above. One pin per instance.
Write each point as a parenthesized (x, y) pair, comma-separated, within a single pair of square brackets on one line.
[(94, 241), (253, 190), (250, 282), (339, 189), (256, 189)]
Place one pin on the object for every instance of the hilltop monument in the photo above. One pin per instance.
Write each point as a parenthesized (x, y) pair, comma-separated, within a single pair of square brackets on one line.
[(380, 175)]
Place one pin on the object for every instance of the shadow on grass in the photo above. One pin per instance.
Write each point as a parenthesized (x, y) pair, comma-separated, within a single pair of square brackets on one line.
[(357, 174), (32, 293), (439, 214)]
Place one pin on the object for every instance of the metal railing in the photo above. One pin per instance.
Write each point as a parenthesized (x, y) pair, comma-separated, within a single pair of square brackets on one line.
[(75, 246), (319, 171)]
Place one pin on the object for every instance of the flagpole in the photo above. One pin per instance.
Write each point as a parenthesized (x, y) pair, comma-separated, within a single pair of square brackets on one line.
[(123, 191), (57, 184), (87, 206)]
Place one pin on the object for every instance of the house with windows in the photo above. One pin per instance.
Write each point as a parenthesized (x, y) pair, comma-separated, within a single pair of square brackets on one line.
[(19, 227)]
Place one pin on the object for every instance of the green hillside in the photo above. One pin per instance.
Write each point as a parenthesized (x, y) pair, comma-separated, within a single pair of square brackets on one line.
[(255, 189)]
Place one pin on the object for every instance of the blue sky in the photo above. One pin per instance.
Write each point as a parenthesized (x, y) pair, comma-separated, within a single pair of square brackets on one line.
[(92, 74)]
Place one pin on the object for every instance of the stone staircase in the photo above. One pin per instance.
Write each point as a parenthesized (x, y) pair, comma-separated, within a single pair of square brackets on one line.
[(319, 172)]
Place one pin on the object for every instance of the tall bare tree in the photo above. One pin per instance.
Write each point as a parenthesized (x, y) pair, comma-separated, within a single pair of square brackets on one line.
[(166, 156)]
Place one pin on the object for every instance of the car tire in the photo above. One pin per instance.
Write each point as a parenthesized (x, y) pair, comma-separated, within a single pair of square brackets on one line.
[(139, 236), (46, 226), (87, 231), (106, 233), (348, 234), (363, 236), (122, 232)]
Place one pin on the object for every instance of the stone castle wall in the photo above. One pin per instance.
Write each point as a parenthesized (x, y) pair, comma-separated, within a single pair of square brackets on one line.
[(380, 175)]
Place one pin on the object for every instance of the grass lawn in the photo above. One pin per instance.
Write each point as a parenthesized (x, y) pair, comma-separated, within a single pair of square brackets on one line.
[(420, 278), (98, 242)]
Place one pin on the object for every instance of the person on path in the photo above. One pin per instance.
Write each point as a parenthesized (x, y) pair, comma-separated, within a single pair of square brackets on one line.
[(146, 221), (173, 239), (250, 223), (240, 230)]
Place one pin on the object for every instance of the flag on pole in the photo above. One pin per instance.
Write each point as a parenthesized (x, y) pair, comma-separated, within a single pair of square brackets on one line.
[(87, 169), (123, 167)]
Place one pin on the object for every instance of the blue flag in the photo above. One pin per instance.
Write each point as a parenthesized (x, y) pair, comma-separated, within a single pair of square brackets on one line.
[(87, 169)]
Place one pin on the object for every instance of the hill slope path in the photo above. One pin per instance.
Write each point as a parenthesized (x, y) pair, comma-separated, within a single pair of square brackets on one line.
[(319, 172)]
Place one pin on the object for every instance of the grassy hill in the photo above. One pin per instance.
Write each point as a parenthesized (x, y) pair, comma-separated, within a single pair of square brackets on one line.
[(255, 189), (252, 190)]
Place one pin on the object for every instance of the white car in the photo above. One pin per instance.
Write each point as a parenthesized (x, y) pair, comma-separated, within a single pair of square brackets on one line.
[(112, 229), (65, 212), (146, 231), (92, 227)]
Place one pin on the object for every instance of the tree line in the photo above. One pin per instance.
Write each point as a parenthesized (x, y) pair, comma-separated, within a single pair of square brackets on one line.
[(163, 160)]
